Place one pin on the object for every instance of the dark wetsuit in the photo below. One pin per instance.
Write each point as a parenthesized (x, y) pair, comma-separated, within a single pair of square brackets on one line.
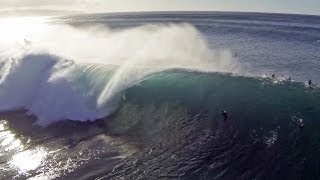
[(224, 114)]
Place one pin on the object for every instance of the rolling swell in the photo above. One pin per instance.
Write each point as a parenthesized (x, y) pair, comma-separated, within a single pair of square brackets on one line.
[(214, 90), (175, 117)]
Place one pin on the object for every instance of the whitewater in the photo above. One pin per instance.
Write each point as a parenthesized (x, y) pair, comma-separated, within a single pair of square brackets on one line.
[(59, 72)]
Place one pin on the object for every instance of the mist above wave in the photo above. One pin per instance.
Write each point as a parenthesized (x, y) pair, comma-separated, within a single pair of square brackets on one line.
[(45, 69)]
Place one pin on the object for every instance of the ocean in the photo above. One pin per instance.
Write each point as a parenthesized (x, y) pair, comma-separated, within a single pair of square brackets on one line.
[(141, 95)]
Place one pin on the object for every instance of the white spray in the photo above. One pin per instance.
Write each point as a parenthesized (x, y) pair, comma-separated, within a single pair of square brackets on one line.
[(51, 85)]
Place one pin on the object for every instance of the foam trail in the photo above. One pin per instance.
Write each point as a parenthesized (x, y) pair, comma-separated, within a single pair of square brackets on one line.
[(60, 72)]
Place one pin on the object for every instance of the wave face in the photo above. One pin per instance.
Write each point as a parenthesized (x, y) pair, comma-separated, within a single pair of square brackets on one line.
[(84, 83), (245, 97)]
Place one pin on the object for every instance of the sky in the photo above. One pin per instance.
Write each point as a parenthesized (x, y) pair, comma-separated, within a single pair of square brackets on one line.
[(93, 6)]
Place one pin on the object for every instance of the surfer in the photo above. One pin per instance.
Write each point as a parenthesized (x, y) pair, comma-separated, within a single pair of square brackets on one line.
[(224, 113), (300, 123), (273, 76), (310, 83)]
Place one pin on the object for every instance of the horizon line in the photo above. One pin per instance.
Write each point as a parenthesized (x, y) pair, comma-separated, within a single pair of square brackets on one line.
[(151, 11), (222, 11)]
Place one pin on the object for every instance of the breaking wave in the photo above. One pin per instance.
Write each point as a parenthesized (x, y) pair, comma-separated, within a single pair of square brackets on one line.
[(60, 72)]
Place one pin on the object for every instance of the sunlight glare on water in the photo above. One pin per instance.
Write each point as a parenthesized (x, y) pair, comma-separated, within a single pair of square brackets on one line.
[(25, 160), (8, 141), (29, 159), (1, 127)]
